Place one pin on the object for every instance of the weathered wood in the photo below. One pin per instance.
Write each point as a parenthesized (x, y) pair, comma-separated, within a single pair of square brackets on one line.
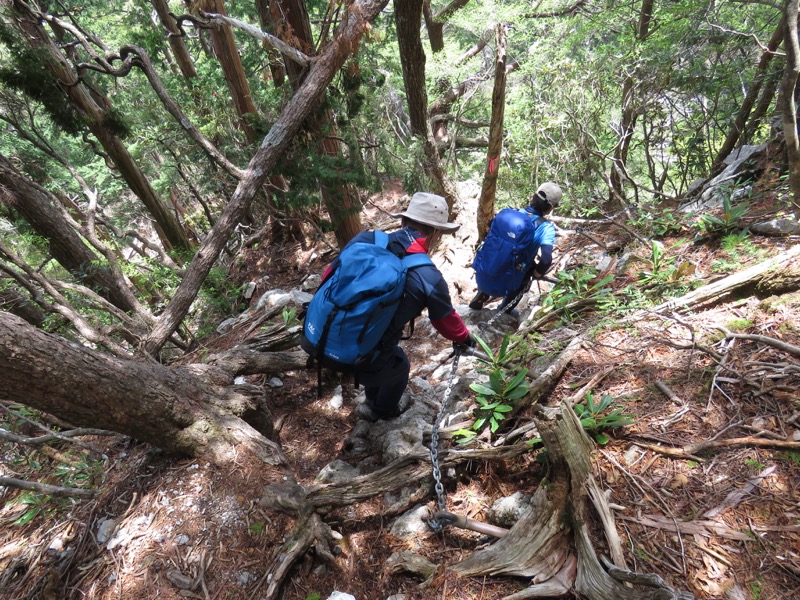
[(540, 545), (772, 269)]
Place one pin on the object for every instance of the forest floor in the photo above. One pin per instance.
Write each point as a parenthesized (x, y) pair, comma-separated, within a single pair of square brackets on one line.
[(722, 522)]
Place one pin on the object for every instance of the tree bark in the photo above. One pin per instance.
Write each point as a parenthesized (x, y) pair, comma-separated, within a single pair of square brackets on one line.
[(489, 188), (167, 225), (775, 275), (354, 24), (233, 70), (788, 104), (408, 20), (631, 110), (44, 214), (175, 40), (193, 410), (294, 27), (557, 552), (762, 70)]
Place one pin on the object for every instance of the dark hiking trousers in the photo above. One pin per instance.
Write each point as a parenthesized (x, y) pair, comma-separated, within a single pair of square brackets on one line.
[(385, 381)]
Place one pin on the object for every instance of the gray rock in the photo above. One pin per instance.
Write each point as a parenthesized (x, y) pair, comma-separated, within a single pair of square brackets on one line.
[(507, 511), (411, 523), (105, 529), (777, 227)]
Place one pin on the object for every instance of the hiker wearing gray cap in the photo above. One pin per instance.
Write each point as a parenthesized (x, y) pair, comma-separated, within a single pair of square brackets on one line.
[(384, 373), (517, 250)]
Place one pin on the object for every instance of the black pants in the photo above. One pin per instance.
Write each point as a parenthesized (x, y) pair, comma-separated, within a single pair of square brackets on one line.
[(513, 298), (385, 380)]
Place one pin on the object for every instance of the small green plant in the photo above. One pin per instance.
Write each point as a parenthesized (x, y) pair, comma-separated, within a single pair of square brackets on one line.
[(258, 527), (598, 417), (576, 290), (662, 269), (495, 397), (754, 465), (724, 223), (36, 504), (289, 316), (313, 596), (790, 457), (756, 588)]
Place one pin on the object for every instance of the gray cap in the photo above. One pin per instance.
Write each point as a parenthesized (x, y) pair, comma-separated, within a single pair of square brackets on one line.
[(429, 209), (550, 192)]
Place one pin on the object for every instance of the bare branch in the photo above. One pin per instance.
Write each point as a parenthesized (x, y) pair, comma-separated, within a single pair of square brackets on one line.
[(50, 490)]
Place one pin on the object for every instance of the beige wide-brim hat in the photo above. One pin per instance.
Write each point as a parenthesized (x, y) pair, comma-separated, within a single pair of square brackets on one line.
[(429, 209)]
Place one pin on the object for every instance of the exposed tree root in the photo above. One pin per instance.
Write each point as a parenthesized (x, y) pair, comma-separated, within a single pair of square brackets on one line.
[(540, 545)]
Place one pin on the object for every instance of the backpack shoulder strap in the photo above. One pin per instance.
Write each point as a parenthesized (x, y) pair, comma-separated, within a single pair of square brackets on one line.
[(381, 238), (538, 222), (419, 259)]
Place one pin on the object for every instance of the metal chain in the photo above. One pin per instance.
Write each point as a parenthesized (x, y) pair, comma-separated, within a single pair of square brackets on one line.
[(434, 523), (506, 308)]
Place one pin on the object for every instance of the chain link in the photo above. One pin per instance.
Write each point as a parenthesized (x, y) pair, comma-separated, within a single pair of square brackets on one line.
[(506, 308), (441, 501)]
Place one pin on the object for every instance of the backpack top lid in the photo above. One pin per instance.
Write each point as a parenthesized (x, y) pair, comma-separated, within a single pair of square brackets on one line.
[(515, 226)]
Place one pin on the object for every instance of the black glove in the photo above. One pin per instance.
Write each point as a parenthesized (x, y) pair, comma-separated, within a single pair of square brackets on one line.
[(470, 342)]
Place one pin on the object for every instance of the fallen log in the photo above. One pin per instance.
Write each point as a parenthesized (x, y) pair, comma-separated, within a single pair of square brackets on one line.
[(776, 275)]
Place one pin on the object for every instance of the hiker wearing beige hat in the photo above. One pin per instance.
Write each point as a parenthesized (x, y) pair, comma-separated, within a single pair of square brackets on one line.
[(384, 371)]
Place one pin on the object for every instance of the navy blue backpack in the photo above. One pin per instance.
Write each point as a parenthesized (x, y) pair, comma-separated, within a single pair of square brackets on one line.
[(507, 252), (351, 310)]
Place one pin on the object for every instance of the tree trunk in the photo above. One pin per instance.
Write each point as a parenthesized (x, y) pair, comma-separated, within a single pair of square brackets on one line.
[(179, 51), (268, 23), (762, 70), (488, 190), (193, 410), (322, 71), (233, 70), (554, 551), (630, 110), (408, 20), (167, 225), (788, 104), (44, 214), (776, 275), (294, 28)]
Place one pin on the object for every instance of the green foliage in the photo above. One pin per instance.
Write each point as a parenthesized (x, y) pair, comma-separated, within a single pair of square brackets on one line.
[(258, 527), (26, 70), (576, 290), (739, 248), (790, 456), (739, 324), (754, 465), (598, 417), (497, 396), (289, 316), (663, 270), (219, 298), (717, 225), (756, 589)]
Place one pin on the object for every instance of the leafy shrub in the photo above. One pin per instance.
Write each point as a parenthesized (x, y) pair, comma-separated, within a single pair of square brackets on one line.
[(599, 417), (497, 396)]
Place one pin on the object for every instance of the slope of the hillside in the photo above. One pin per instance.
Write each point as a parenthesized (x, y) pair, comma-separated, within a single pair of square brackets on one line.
[(703, 484)]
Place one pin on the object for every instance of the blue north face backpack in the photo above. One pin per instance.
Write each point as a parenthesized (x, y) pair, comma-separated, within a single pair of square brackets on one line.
[(506, 253), (351, 310)]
